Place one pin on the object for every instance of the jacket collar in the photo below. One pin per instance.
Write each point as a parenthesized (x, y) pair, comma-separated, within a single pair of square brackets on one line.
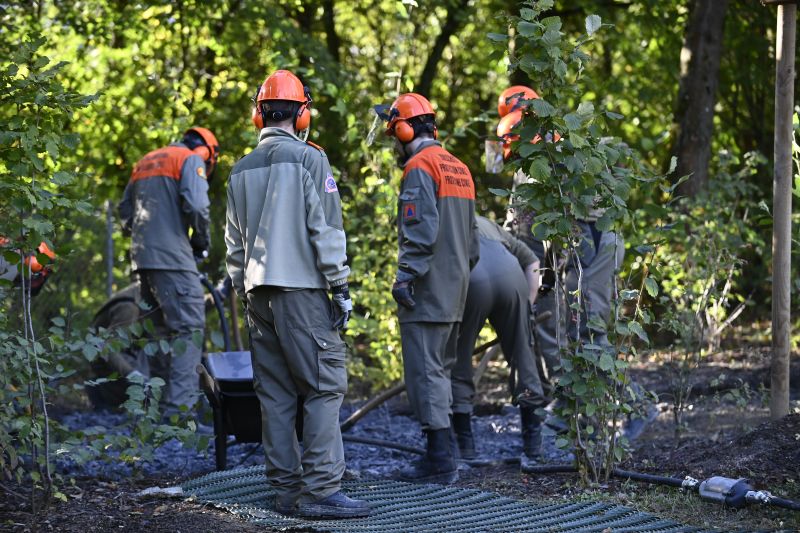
[(266, 133), (420, 147)]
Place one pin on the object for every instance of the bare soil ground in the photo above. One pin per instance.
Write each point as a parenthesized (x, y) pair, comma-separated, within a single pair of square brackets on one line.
[(727, 432)]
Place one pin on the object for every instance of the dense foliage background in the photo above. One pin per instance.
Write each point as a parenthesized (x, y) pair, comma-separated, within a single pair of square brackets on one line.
[(158, 67)]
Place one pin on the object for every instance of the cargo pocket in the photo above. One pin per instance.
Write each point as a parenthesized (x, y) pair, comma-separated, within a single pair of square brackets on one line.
[(332, 376), (190, 310)]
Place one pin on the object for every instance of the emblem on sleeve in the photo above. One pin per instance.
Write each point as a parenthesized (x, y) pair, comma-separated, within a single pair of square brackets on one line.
[(201, 172), (409, 212), (330, 184)]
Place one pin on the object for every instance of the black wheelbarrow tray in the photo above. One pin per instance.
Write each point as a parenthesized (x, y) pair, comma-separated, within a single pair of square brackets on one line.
[(227, 381)]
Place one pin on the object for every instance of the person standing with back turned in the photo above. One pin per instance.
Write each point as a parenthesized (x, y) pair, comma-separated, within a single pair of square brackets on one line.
[(286, 250), (166, 197), (438, 246)]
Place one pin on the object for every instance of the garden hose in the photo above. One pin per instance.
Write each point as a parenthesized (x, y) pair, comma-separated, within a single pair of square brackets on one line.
[(734, 493)]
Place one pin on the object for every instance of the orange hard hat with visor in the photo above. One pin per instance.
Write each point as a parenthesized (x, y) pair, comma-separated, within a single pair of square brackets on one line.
[(404, 108)]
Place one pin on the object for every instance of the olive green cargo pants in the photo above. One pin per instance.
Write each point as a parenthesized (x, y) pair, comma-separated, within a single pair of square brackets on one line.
[(175, 301), (429, 353), (296, 352)]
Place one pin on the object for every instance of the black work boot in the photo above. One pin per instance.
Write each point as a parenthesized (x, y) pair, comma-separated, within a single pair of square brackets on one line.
[(337, 505), (531, 425), (438, 465), (462, 424)]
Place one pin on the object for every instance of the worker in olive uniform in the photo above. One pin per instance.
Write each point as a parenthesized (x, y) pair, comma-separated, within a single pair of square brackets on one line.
[(120, 311), (286, 250), (165, 210), (438, 245), (502, 286), (550, 333), (598, 257)]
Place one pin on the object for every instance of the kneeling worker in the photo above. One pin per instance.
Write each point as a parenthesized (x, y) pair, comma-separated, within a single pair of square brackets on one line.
[(286, 250), (438, 246), (502, 287)]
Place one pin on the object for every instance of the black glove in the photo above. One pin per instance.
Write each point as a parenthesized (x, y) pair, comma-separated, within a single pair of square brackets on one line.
[(341, 297), (402, 292)]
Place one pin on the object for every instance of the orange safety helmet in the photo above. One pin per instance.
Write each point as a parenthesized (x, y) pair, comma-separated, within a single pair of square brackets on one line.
[(283, 85), (33, 263), (406, 107), (509, 99), (208, 152), (505, 132)]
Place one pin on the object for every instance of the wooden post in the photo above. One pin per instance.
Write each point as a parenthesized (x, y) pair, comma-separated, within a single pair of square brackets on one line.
[(109, 249), (782, 210)]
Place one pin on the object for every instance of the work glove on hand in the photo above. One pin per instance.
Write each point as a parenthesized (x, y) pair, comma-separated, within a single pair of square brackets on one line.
[(341, 297), (402, 292)]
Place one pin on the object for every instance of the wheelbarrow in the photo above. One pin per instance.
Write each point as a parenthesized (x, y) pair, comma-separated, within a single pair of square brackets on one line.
[(226, 378)]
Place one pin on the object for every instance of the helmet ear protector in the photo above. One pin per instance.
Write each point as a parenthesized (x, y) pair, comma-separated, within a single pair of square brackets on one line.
[(302, 119), (204, 152), (204, 144), (406, 131)]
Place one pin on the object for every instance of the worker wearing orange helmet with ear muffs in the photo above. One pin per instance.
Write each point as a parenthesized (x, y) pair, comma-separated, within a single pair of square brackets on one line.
[(165, 210), (438, 246), (598, 257), (286, 256), (35, 274), (511, 104)]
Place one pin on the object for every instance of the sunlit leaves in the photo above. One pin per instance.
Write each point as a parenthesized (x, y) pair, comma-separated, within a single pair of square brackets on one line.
[(593, 23)]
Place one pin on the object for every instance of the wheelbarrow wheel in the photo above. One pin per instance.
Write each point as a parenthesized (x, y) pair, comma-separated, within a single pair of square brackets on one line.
[(220, 440)]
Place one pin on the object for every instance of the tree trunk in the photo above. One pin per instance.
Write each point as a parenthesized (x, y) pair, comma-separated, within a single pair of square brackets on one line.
[(697, 93), (456, 15), (331, 37), (782, 212)]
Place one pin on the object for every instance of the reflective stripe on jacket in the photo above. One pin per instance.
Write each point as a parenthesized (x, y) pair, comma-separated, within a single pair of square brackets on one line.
[(284, 218), (166, 196), (437, 233)]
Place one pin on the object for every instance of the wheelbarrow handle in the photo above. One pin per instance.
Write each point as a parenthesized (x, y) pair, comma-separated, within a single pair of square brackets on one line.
[(208, 386)]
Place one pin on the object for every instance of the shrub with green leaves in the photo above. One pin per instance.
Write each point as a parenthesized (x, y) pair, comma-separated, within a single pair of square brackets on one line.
[(573, 172), (38, 360), (701, 267)]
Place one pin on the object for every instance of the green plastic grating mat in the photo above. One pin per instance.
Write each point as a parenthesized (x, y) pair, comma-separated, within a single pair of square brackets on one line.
[(406, 507)]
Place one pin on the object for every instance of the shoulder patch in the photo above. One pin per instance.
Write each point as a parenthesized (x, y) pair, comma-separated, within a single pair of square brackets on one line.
[(318, 147), (330, 183), (409, 212), (201, 172)]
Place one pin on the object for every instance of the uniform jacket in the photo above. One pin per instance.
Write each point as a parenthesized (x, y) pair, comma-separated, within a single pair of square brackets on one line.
[(167, 196), (437, 234), (499, 274), (519, 220), (489, 230), (284, 217)]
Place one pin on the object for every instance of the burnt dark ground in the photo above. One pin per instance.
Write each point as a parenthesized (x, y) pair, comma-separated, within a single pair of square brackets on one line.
[(725, 436)]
